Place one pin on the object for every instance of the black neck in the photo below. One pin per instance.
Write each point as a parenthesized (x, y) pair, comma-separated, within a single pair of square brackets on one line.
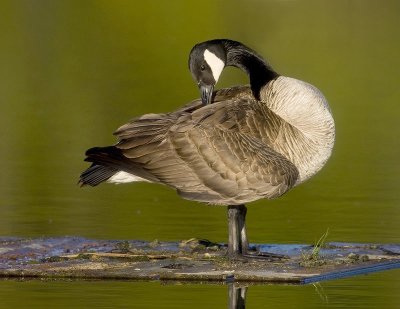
[(244, 58)]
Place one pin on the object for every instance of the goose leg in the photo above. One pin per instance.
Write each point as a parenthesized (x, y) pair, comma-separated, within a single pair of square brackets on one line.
[(237, 229), (238, 245)]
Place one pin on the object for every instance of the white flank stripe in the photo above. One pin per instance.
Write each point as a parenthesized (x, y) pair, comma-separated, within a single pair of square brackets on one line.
[(124, 177), (216, 64)]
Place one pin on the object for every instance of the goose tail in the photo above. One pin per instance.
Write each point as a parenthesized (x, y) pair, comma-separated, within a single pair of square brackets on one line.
[(103, 159), (96, 174)]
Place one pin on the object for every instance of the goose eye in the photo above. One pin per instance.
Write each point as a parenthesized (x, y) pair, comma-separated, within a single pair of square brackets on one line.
[(203, 67)]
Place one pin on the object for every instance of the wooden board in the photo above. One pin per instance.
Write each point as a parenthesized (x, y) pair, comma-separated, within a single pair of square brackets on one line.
[(194, 260)]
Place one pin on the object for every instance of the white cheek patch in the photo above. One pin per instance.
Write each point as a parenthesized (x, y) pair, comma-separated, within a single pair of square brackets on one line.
[(216, 64)]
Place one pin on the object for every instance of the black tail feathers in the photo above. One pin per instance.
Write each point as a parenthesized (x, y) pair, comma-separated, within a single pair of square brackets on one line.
[(96, 174), (102, 167)]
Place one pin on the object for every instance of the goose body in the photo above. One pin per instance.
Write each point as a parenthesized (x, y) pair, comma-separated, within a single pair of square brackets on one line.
[(233, 146)]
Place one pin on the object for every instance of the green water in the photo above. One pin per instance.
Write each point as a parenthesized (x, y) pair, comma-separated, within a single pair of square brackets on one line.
[(378, 290), (72, 71)]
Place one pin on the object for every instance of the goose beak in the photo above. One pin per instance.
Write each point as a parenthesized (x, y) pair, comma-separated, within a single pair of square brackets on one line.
[(206, 92)]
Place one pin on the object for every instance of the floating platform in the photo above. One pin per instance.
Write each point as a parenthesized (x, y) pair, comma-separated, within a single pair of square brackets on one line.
[(189, 260)]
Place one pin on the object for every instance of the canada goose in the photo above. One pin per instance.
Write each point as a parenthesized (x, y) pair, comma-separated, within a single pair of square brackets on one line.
[(252, 142)]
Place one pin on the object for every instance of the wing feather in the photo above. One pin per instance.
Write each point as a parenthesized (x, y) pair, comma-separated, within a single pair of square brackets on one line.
[(221, 153)]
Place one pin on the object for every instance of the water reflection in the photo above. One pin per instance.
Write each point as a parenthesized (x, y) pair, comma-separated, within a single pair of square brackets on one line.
[(236, 296), (377, 290)]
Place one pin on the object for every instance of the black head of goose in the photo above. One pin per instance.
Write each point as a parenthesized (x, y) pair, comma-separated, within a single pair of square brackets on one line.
[(252, 142), (208, 59)]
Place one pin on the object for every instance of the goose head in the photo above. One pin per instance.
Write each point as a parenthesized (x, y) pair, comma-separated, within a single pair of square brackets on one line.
[(206, 62), (208, 59)]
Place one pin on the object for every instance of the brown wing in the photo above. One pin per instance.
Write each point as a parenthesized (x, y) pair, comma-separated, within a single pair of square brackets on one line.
[(213, 154)]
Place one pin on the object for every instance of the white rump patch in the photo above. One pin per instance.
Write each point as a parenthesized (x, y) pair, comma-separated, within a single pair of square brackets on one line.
[(216, 64), (124, 177)]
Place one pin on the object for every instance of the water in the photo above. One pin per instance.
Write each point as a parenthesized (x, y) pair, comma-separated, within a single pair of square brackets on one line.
[(73, 71), (379, 290)]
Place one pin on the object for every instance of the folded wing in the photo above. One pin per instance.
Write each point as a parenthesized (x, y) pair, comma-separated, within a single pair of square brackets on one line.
[(220, 153)]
